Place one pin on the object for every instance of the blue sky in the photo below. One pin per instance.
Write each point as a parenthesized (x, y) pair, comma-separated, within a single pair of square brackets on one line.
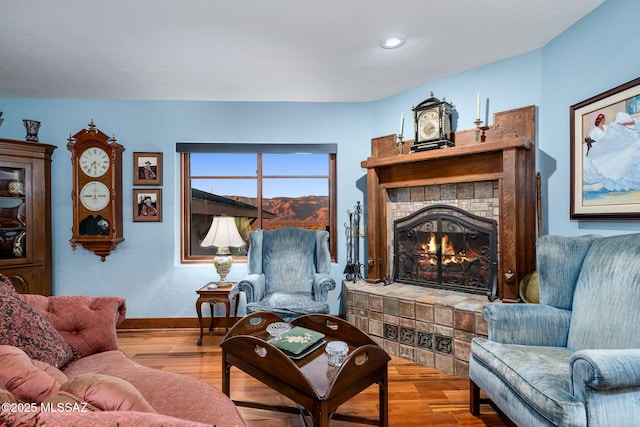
[(215, 165)]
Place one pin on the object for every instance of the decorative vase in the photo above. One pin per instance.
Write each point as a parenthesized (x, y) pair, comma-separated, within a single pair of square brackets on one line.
[(16, 188), (32, 127)]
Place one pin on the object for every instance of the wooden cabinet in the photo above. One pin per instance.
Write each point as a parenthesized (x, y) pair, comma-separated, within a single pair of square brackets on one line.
[(25, 215)]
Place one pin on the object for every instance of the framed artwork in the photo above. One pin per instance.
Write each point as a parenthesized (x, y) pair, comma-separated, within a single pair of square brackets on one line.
[(147, 168), (605, 155), (147, 205)]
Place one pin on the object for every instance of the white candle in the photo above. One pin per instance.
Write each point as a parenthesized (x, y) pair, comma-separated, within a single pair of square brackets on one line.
[(478, 106), (401, 124)]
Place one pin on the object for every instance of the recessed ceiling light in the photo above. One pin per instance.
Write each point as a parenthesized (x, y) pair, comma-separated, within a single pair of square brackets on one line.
[(392, 41)]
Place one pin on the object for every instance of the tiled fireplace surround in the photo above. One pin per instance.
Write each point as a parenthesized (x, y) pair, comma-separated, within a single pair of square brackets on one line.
[(492, 178), (429, 326)]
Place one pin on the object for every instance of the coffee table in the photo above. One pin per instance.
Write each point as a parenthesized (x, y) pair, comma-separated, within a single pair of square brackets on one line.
[(310, 382)]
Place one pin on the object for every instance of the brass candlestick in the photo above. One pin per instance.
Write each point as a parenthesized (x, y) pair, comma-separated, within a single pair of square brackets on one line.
[(399, 143), (480, 136)]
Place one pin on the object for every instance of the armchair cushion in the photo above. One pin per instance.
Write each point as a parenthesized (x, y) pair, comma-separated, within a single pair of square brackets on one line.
[(539, 375), (288, 304), (22, 326)]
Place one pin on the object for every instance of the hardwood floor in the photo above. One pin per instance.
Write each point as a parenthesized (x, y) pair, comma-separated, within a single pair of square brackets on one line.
[(418, 396)]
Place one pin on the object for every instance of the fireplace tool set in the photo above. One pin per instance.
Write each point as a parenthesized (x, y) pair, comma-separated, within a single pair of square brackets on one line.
[(353, 269)]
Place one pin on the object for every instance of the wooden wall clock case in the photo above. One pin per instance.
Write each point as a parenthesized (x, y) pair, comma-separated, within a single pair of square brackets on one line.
[(96, 159)]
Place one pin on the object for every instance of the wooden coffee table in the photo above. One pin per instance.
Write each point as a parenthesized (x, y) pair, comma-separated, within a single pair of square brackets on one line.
[(310, 382)]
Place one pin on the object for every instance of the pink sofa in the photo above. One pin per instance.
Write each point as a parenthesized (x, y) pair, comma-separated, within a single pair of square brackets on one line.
[(97, 384)]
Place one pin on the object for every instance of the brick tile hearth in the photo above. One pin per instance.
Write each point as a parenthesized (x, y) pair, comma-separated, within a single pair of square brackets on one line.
[(431, 327)]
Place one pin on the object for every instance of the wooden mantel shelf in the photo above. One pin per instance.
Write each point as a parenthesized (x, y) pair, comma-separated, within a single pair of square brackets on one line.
[(506, 155), (516, 142)]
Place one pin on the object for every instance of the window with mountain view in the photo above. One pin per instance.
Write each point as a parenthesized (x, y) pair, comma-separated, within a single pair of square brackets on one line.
[(267, 189)]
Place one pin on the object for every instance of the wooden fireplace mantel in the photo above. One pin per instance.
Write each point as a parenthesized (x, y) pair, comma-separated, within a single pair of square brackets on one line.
[(506, 155)]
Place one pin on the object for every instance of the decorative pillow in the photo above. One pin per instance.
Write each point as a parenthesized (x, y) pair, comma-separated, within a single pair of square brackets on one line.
[(106, 393), (22, 326), (86, 323), (56, 373), (5, 395), (23, 379)]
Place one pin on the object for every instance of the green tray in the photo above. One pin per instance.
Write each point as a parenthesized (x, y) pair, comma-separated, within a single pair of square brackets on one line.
[(296, 340)]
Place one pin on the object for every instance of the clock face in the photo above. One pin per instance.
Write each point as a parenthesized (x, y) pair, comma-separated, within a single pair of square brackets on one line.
[(95, 196), (428, 126), (94, 162)]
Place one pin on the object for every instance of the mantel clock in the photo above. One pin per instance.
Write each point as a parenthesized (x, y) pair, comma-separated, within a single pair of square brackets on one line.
[(97, 191), (432, 123)]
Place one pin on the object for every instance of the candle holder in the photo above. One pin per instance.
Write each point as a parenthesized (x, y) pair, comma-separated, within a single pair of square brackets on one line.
[(480, 136), (399, 143)]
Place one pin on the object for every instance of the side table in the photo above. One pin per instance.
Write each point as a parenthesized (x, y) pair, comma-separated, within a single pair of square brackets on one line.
[(217, 295)]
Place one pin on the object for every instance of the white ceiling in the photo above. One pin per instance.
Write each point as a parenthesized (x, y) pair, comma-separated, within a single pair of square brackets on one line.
[(260, 50)]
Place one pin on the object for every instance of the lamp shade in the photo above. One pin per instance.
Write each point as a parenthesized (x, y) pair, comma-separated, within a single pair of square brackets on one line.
[(223, 233)]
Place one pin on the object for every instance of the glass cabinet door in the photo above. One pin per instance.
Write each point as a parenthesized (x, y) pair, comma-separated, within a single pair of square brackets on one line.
[(13, 214), (25, 215)]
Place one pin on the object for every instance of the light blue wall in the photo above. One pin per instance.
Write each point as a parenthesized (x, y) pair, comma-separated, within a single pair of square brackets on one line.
[(512, 83), (598, 53), (145, 268)]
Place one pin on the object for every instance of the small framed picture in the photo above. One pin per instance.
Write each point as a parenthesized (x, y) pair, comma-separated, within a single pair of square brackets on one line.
[(147, 168), (147, 205)]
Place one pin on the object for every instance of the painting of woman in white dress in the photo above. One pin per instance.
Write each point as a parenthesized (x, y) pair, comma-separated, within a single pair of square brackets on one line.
[(613, 161), (605, 154)]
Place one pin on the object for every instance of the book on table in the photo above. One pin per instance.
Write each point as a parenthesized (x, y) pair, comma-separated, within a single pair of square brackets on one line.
[(297, 340)]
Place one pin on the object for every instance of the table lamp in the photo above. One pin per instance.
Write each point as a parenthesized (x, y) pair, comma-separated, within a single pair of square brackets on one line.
[(223, 234)]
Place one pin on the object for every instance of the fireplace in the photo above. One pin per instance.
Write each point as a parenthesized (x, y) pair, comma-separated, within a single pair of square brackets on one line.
[(505, 156), (445, 247), (492, 179)]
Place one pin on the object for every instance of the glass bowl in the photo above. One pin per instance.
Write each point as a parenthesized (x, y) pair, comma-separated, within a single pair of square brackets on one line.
[(278, 328), (336, 352)]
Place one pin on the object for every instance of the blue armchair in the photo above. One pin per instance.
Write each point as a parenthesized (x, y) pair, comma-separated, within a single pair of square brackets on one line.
[(573, 359), (289, 272)]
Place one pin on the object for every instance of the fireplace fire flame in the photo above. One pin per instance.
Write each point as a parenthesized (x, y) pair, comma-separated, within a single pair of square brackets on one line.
[(449, 254), (446, 247)]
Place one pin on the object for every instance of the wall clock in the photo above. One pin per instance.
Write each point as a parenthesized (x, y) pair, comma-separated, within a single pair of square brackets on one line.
[(432, 123), (96, 160)]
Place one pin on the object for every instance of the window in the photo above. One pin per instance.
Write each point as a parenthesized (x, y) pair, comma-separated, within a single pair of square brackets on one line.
[(263, 186)]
